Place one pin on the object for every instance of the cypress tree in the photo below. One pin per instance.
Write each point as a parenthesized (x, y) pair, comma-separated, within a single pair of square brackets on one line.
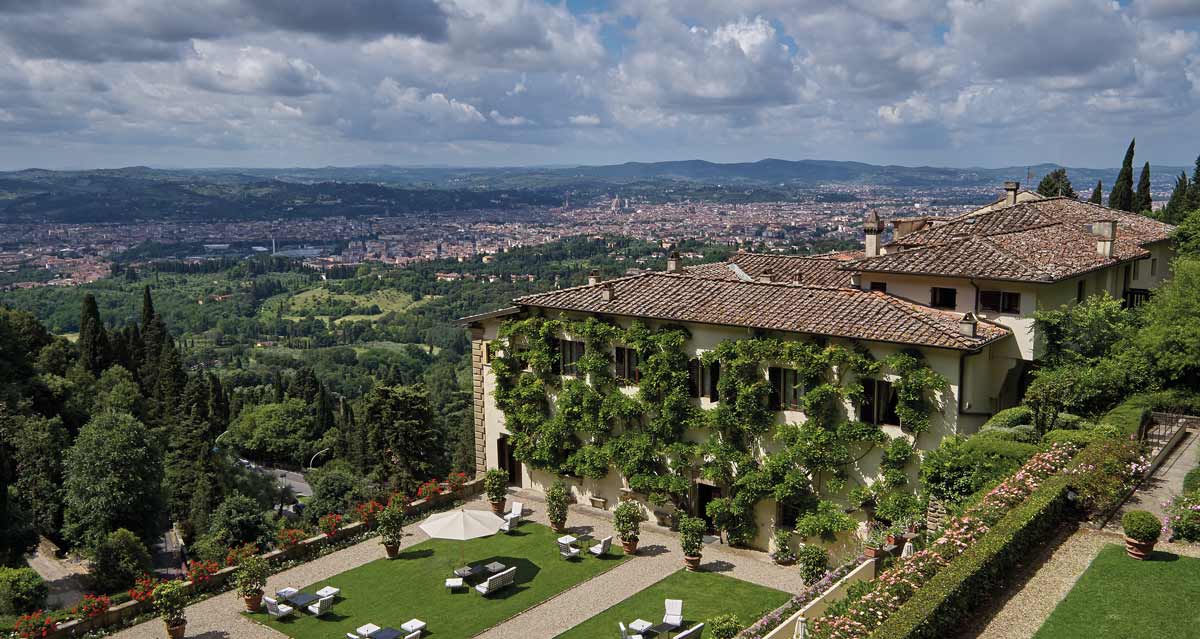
[(1193, 197), (93, 339), (1097, 193), (1173, 212), (1142, 202), (1121, 197), (147, 308)]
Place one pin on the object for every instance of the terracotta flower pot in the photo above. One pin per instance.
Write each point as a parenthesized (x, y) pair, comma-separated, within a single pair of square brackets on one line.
[(893, 540), (873, 552), (786, 562), (498, 507), (691, 563), (558, 526), (176, 632), (393, 550), (253, 602), (1139, 549), (630, 547)]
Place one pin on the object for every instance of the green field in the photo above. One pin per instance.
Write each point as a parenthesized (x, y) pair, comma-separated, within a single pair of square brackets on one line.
[(388, 593), (1122, 598), (704, 594), (319, 302)]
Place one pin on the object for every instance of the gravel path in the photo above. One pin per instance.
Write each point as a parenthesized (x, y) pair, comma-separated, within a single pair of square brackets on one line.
[(1164, 485), (659, 555)]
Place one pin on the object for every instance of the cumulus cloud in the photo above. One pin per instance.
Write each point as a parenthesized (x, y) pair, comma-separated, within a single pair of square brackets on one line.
[(586, 119), (253, 70)]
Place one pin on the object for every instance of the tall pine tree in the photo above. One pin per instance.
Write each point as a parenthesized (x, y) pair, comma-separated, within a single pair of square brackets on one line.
[(93, 339), (147, 308), (1056, 183), (1097, 194), (1193, 197), (1121, 197), (1142, 201)]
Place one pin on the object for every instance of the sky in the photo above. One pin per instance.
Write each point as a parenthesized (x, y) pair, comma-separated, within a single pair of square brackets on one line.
[(195, 83)]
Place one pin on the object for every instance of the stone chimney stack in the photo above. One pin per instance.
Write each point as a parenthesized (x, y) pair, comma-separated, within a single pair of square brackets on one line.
[(1106, 236), (673, 263), (767, 275), (606, 292), (872, 228), (856, 280), (1010, 193), (968, 325), (593, 277)]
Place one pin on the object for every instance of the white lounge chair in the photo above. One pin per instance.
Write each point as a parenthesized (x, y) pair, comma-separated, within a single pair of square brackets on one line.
[(601, 548), (691, 633), (567, 551), (625, 632), (497, 581), (276, 609), (514, 514), (323, 606), (673, 615)]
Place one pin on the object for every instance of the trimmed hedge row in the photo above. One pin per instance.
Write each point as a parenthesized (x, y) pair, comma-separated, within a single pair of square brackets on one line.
[(939, 607)]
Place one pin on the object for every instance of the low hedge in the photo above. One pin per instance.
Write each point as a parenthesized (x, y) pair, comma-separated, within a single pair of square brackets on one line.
[(939, 607), (1078, 437), (1009, 417), (1129, 416), (1191, 481)]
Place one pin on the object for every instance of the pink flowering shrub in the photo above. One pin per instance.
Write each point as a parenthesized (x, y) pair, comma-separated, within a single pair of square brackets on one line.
[(897, 584)]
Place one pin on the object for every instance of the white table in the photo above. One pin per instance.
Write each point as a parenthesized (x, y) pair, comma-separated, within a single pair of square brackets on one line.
[(412, 625), (567, 539), (495, 567), (640, 625), (454, 583)]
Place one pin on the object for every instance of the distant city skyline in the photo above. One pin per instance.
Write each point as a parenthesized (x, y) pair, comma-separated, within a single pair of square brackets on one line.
[(283, 83)]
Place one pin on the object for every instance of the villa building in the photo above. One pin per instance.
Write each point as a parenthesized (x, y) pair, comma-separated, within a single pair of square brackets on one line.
[(958, 291)]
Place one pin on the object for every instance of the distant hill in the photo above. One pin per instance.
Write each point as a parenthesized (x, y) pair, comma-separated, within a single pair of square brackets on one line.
[(139, 193)]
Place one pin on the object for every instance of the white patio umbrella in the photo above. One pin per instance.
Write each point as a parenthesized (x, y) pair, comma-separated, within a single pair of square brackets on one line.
[(461, 525), (908, 550)]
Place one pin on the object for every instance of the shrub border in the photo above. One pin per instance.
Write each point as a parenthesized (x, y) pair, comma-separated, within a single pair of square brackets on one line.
[(938, 608)]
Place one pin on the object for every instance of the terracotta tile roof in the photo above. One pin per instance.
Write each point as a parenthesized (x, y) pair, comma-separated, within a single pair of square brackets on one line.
[(835, 312), (1042, 241), (819, 270)]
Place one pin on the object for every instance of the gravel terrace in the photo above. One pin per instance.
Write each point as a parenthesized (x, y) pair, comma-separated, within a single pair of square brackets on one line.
[(658, 556)]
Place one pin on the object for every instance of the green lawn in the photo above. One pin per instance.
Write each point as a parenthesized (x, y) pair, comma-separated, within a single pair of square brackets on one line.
[(1122, 598), (704, 594), (388, 593)]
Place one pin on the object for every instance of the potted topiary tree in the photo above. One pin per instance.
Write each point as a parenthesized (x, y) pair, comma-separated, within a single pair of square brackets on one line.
[(691, 538), (170, 599), (390, 522), (1141, 533), (627, 519), (557, 498), (495, 484), (783, 553), (250, 578)]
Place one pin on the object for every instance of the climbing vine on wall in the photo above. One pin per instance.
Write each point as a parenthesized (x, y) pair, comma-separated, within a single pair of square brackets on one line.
[(586, 425)]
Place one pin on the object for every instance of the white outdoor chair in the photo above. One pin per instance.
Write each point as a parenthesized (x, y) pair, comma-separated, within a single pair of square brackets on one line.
[(625, 632), (514, 514), (351, 635), (508, 526), (691, 633), (497, 581), (276, 609), (601, 548), (415, 635), (323, 606), (567, 551), (285, 593), (673, 616), (328, 591)]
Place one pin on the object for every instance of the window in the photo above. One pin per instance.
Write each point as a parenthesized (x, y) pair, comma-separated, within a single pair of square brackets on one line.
[(568, 354), (702, 380), (1137, 270), (1000, 301), (1081, 291), (943, 297), (785, 388), (879, 286), (879, 403), (627, 366), (1153, 266)]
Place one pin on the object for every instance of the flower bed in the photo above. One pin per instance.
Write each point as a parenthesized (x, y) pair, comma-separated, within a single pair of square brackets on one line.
[(901, 582), (771, 620)]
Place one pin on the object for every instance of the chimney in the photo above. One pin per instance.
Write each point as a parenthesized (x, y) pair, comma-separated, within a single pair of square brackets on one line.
[(593, 278), (767, 275), (798, 278), (872, 228), (1106, 236), (673, 265), (856, 280), (606, 292), (968, 325), (1010, 193)]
